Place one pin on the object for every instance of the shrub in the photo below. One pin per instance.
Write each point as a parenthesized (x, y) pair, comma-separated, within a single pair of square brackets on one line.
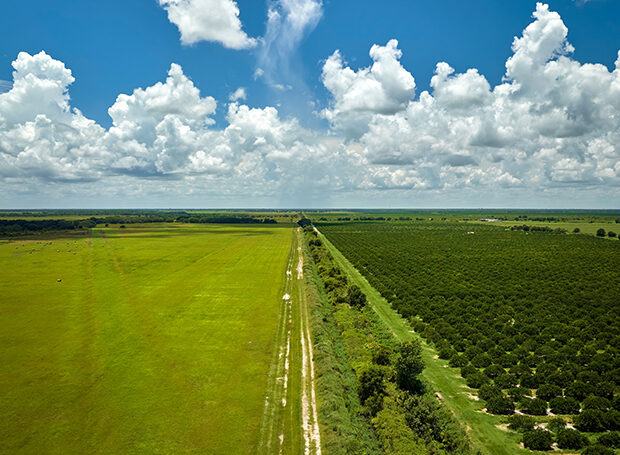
[(488, 391), (564, 405), (611, 439), (371, 386), (481, 361), (518, 393), (611, 420), (356, 297), (506, 381), (590, 420), (493, 371), (548, 391), (521, 423), (431, 422), (556, 424), (500, 406), (381, 355), (458, 361), (571, 439), (468, 370), (538, 440), (392, 430), (600, 403), (534, 406), (611, 234), (601, 232), (597, 450), (477, 380)]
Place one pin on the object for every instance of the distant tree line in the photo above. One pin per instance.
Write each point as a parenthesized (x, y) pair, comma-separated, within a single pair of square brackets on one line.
[(21, 226), (84, 212), (545, 219), (544, 229), (223, 219), (8, 227)]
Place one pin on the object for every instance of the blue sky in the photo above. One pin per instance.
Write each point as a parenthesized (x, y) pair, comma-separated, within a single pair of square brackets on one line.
[(113, 47)]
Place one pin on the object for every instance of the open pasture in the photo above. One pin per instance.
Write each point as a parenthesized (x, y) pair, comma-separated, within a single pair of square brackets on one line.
[(157, 339)]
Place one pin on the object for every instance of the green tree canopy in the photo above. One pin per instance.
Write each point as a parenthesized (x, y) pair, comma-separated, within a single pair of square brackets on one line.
[(538, 439), (409, 365), (357, 298)]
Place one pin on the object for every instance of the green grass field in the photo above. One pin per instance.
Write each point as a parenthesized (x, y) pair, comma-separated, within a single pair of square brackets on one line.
[(158, 339)]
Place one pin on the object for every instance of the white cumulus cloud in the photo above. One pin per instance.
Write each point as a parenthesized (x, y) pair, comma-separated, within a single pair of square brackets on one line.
[(208, 20), (239, 94), (40, 136), (383, 88)]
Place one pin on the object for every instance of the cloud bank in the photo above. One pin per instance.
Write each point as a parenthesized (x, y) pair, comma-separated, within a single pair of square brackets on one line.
[(553, 121), (551, 127)]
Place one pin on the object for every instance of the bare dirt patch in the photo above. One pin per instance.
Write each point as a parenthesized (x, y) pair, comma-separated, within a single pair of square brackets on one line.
[(472, 396)]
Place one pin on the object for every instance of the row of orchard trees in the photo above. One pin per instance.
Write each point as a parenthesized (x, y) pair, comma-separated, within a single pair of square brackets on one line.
[(531, 320), (406, 418)]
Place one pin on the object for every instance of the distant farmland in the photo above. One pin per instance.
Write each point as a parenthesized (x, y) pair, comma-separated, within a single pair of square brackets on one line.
[(156, 339)]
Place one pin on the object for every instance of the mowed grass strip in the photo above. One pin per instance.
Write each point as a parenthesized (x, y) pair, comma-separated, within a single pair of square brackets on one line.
[(158, 339)]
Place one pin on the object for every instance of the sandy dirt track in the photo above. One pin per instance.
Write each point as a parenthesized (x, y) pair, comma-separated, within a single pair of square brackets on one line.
[(290, 416)]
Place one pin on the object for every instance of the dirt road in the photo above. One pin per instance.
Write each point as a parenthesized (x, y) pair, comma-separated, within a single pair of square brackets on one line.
[(290, 424)]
